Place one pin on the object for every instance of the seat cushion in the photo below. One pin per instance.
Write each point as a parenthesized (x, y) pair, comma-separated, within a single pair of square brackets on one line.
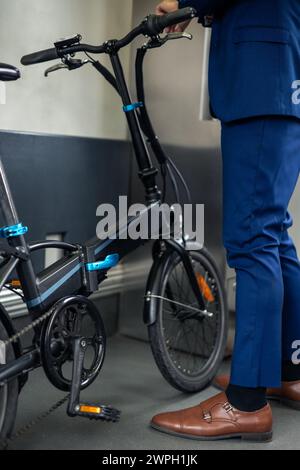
[(8, 73)]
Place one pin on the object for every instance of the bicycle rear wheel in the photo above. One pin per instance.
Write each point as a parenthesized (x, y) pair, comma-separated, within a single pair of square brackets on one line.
[(8, 396), (189, 347)]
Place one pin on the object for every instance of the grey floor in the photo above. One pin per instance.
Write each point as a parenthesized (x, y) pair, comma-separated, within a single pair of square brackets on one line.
[(131, 382)]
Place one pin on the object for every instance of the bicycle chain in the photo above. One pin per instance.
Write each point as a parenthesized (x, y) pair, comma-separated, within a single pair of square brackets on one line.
[(24, 429), (28, 328)]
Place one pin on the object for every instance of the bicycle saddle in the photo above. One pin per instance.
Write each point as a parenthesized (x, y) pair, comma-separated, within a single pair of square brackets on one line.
[(8, 73)]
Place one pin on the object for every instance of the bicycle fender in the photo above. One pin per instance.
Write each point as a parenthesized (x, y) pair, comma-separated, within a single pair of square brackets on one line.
[(151, 304)]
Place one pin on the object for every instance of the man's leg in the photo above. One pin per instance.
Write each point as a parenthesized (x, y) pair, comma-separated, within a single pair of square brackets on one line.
[(290, 266), (261, 166)]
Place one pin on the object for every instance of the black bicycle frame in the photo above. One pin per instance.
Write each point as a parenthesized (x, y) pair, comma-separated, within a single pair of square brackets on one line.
[(69, 275), (146, 171)]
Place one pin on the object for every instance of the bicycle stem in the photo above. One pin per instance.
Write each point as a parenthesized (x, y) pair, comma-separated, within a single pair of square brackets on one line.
[(147, 172)]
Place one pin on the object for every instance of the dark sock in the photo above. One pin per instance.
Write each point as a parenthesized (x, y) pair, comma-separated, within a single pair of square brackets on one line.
[(290, 372), (245, 398)]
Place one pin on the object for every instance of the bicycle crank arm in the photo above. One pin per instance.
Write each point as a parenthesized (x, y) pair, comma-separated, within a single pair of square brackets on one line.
[(85, 410)]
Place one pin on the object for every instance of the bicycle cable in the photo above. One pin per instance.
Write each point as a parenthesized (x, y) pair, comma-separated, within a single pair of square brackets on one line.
[(15, 291), (182, 180)]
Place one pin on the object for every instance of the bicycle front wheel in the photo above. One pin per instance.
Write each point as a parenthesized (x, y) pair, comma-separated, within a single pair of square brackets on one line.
[(188, 346)]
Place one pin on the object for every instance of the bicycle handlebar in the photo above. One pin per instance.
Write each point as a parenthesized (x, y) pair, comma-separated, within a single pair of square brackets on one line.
[(157, 24), (39, 57), (151, 26)]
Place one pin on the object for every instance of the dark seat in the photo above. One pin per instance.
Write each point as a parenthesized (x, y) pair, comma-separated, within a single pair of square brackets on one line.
[(9, 73)]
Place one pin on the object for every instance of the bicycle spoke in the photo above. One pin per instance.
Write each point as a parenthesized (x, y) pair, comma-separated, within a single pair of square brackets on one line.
[(189, 340)]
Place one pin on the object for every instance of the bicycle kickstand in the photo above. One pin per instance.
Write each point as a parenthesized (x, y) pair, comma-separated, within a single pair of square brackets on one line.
[(75, 408)]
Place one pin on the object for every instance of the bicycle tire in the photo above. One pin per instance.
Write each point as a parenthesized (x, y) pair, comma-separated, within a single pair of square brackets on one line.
[(159, 346)]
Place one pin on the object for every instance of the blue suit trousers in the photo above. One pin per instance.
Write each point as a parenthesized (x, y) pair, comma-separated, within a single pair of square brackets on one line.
[(261, 164)]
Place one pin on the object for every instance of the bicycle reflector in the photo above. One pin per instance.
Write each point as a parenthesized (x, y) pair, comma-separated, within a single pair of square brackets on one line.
[(15, 283), (97, 412), (205, 289), (90, 409)]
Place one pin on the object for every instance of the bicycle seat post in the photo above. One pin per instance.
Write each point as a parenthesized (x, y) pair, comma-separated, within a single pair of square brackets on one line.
[(7, 205), (14, 233)]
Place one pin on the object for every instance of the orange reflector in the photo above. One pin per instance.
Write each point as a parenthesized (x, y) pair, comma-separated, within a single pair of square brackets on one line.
[(205, 289), (90, 409), (15, 283)]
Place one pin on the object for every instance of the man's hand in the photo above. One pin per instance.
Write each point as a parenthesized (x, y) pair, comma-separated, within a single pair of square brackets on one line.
[(168, 6)]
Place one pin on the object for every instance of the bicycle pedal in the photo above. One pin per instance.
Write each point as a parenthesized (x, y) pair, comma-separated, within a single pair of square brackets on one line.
[(97, 412)]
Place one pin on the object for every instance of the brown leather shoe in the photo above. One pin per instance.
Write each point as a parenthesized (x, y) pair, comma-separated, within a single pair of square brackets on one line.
[(288, 394), (216, 419)]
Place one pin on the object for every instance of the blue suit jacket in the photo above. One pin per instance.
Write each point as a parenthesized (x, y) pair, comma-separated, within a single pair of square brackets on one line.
[(255, 57)]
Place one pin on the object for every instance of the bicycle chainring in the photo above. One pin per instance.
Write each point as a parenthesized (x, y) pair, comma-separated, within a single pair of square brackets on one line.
[(72, 317)]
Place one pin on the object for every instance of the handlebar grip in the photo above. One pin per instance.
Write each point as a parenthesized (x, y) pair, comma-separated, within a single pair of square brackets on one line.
[(156, 24), (39, 57)]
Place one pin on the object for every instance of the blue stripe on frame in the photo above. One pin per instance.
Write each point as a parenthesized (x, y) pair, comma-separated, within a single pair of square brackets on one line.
[(57, 285)]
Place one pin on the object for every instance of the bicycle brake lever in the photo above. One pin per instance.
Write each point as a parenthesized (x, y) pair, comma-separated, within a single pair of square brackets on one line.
[(54, 68), (173, 36), (159, 41), (68, 63)]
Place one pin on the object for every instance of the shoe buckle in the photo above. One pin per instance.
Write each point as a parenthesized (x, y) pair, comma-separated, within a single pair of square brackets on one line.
[(207, 416), (228, 407)]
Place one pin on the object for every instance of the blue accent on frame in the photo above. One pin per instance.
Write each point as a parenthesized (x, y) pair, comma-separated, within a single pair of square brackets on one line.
[(110, 259), (103, 246), (107, 242), (13, 231), (110, 262), (57, 285), (133, 106)]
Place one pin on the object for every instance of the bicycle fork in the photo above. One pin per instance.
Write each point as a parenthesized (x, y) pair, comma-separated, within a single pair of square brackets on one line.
[(151, 308)]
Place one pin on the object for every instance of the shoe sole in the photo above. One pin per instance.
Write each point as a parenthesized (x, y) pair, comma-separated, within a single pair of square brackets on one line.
[(295, 405), (251, 437)]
